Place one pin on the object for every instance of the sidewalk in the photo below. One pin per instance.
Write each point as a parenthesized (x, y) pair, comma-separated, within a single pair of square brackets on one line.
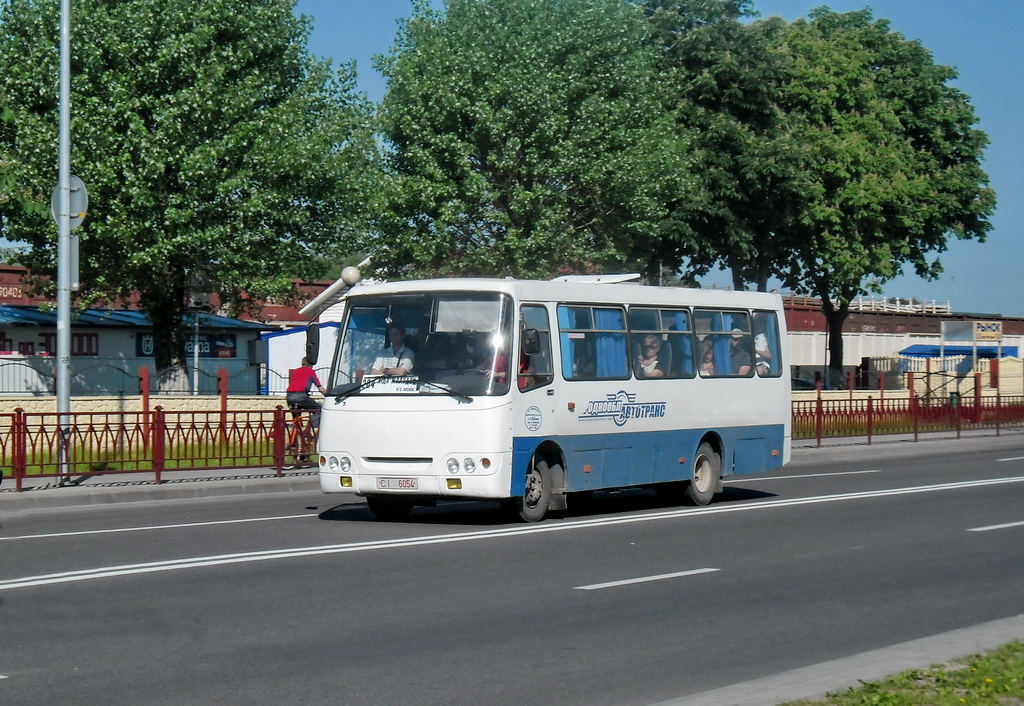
[(141, 487)]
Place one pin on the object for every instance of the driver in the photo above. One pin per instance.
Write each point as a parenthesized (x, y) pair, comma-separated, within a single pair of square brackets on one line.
[(395, 358)]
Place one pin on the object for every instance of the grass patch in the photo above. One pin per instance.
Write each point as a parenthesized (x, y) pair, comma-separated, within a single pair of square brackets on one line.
[(993, 677)]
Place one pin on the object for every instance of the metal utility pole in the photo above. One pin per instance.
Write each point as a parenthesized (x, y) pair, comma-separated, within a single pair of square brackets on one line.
[(64, 245)]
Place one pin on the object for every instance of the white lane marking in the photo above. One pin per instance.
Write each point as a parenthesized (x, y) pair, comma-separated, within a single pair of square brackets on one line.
[(644, 579), (157, 527), (745, 480), (996, 527), (245, 557), (1014, 458)]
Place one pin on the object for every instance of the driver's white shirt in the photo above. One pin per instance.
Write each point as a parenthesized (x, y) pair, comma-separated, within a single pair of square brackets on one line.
[(387, 359)]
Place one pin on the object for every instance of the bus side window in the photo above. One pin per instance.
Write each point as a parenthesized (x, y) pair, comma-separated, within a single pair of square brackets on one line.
[(672, 326), (766, 344), (535, 357), (593, 342)]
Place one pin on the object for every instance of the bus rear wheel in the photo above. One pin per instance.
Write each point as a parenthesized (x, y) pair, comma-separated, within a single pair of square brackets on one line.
[(533, 505), (389, 508), (707, 468)]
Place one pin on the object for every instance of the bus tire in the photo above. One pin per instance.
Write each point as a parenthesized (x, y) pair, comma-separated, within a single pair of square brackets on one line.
[(533, 505), (707, 469), (389, 508)]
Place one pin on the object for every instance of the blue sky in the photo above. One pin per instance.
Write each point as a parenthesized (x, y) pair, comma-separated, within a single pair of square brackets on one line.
[(981, 38)]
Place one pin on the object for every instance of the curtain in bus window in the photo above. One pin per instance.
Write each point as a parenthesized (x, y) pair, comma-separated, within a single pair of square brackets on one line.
[(685, 344), (766, 323), (723, 364), (566, 320), (612, 358)]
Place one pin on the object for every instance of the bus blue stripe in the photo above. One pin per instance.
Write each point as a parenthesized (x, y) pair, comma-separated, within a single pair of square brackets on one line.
[(594, 461)]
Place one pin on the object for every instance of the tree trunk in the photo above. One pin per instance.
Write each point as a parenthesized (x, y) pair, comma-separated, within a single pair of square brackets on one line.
[(835, 318), (165, 307)]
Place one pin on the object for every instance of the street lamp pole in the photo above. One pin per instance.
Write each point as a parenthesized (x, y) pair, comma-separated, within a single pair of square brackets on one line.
[(64, 245)]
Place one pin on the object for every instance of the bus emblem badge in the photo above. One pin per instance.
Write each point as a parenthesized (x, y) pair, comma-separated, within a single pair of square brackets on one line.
[(533, 418)]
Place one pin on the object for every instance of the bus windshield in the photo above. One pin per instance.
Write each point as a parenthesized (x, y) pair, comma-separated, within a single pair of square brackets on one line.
[(436, 343)]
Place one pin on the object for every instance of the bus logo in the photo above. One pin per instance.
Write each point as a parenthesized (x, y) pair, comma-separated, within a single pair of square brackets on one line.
[(622, 406)]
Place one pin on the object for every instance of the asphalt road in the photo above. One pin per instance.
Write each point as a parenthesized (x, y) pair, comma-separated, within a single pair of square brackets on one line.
[(291, 597)]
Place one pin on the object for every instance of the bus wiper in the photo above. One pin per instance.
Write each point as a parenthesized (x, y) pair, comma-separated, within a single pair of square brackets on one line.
[(352, 388), (461, 397)]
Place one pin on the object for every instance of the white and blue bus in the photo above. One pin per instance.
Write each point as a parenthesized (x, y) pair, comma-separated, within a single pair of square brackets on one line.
[(530, 392)]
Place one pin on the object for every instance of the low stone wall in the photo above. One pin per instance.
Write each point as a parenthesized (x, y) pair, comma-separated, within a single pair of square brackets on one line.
[(170, 403)]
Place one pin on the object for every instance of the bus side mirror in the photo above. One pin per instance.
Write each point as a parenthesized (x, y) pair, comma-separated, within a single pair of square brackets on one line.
[(312, 343), (531, 341)]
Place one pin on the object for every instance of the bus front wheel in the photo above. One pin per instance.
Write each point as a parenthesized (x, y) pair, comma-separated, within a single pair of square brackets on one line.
[(389, 508), (533, 505), (707, 467)]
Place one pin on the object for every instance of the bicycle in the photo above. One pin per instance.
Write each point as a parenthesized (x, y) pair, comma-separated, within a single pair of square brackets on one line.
[(302, 435)]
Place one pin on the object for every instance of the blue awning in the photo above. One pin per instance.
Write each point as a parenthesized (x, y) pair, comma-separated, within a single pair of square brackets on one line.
[(922, 350), (14, 315)]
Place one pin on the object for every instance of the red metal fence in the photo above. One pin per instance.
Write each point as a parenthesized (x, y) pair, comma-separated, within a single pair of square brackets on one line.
[(157, 441), (160, 442), (823, 418)]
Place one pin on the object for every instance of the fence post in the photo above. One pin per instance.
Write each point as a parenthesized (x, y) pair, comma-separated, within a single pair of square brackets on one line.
[(928, 378), (222, 390), (993, 373), (999, 404), (956, 415), (18, 457), (144, 391), (871, 417), (279, 434), (159, 443), (977, 396), (849, 384), (914, 413), (819, 413)]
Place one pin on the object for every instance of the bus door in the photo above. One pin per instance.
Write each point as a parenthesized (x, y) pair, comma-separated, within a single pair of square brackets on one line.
[(535, 376)]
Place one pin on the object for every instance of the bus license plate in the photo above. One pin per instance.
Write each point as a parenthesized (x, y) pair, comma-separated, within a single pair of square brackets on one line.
[(398, 483)]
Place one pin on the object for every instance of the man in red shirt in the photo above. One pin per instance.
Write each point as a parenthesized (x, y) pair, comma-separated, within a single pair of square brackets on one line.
[(300, 381)]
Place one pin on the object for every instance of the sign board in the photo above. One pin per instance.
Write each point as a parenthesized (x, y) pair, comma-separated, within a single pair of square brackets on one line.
[(79, 202), (208, 345), (988, 330), (971, 331)]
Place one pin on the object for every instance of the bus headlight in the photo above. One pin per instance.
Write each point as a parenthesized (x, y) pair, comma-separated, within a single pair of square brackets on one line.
[(345, 464), (453, 465), (332, 463), (470, 465)]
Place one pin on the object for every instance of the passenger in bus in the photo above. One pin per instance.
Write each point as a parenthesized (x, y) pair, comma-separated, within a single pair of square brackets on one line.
[(395, 358), (652, 361), (707, 358), (738, 353), (762, 354)]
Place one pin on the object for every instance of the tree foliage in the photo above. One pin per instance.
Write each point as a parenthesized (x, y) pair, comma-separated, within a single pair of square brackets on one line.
[(726, 74), (214, 147), (890, 164), (526, 137)]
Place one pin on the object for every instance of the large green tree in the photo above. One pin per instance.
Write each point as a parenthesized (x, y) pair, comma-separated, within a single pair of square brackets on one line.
[(725, 74), (218, 153), (525, 137), (889, 164)]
